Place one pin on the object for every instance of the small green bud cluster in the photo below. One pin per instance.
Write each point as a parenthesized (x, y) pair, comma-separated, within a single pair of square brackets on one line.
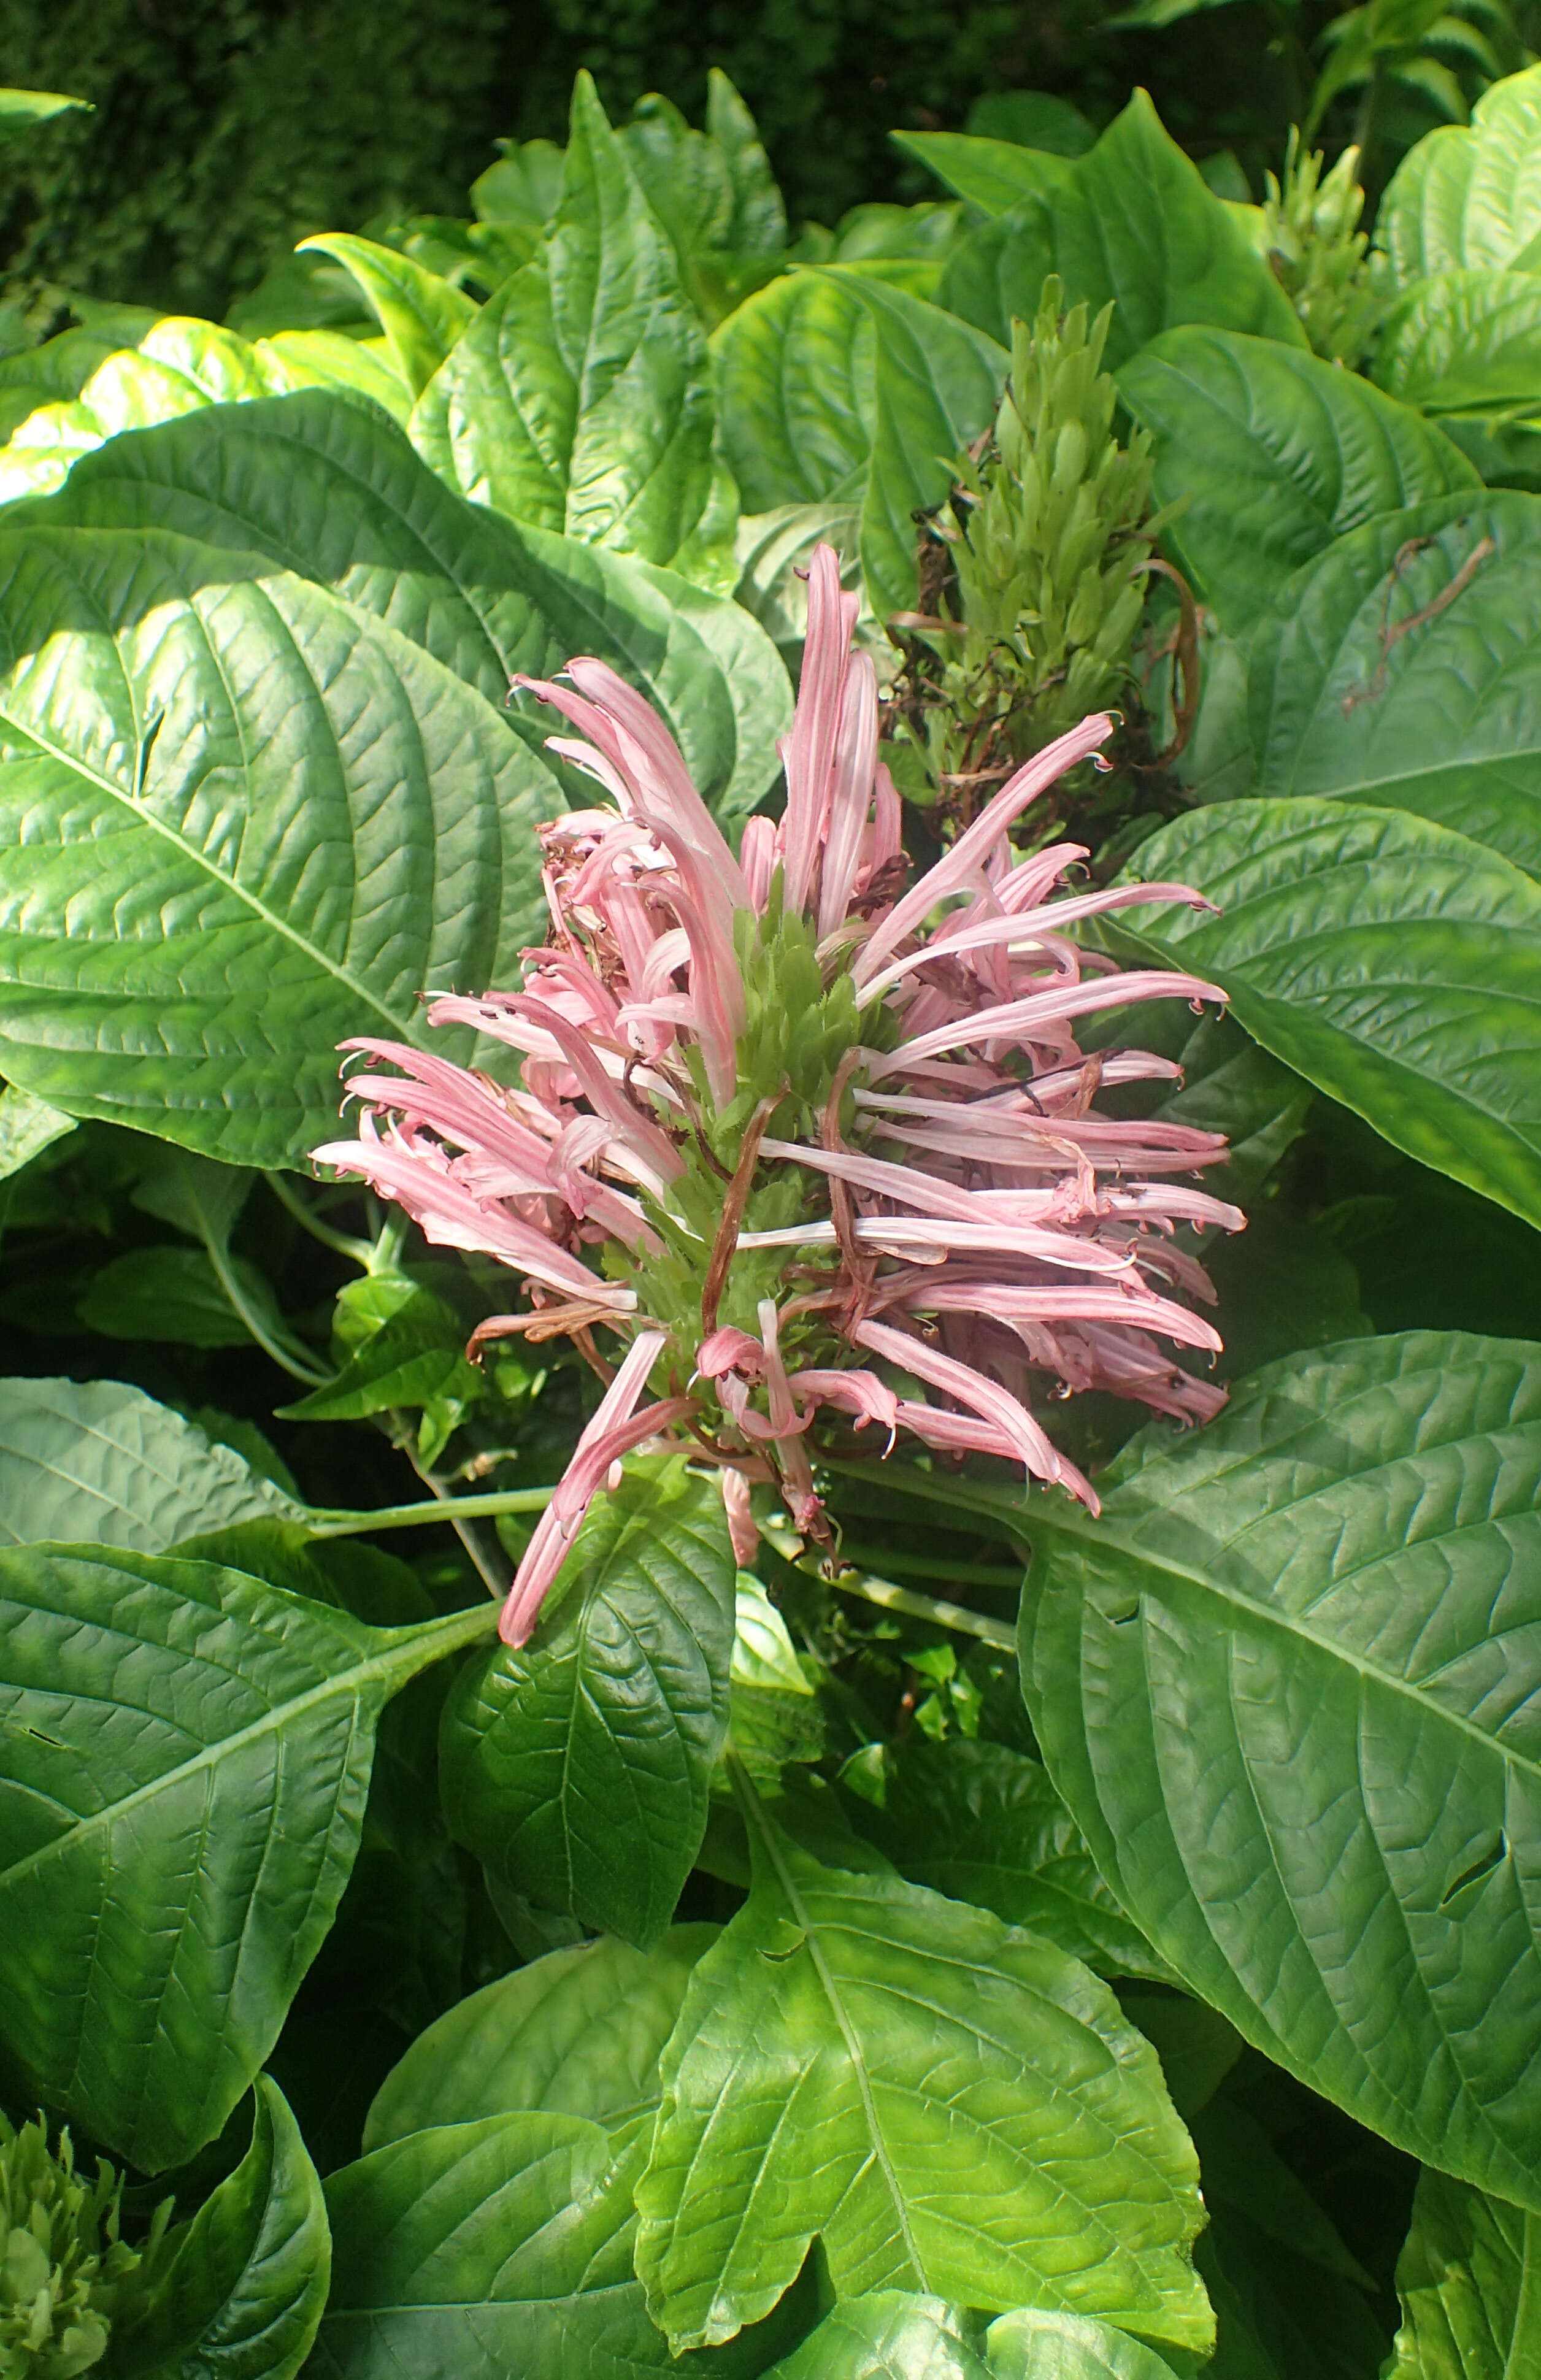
[(62, 2263), (1036, 570), (1314, 244)]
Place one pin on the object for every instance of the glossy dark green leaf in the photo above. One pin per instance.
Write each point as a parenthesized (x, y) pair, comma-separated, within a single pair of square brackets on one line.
[(577, 2033), (947, 2105), (104, 1464), (1405, 666), (1464, 340), (1285, 1683), (237, 2293), (1467, 194), (1271, 454), (1391, 962), (333, 493), (887, 2335), (1197, 2046), (1282, 1284), (187, 1754), (1470, 2283), (580, 400), (172, 1295), (836, 383), (1129, 221), (417, 1354), (984, 1825), (496, 2247), (579, 1769), (243, 822)]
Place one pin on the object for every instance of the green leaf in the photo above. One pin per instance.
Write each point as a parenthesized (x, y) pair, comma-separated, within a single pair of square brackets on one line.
[(1197, 2046), (993, 175), (1464, 341), (1272, 454), (1404, 666), (759, 218), (1282, 1284), (773, 551), (1034, 119), (835, 383), (171, 1294), (887, 2335), (1467, 195), (422, 315), (235, 2294), (581, 400), (104, 1464), (577, 2033), (1283, 1683), (1470, 2283), (775, 1716), (28, 1126), (188, 1755), (331, 492), (942, 2102), (250, 822), (416, 1355), (494, 2248), (579, 1769), (1131, 221), (21, 110), (1029, 2344), (983, 1824), (1394, 965)]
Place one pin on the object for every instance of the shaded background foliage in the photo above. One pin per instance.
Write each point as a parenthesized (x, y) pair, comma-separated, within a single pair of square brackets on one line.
[(226, 129)]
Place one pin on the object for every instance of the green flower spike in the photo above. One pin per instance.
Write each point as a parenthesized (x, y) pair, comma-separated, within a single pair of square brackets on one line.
[(62, 2263)]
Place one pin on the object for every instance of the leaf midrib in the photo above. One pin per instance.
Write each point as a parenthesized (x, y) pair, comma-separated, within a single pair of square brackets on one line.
[(754, 1815), (146, 817), (392, 1662)]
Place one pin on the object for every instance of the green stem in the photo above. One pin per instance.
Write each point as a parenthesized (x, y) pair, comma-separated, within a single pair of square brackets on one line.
[(932, 1565), (342, 1244), (493, 1579), (954, 1617), (298, 1366), (328, 1523)]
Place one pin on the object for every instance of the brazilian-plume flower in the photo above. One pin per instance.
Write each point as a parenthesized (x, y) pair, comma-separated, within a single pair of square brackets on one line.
[(801, 1156)]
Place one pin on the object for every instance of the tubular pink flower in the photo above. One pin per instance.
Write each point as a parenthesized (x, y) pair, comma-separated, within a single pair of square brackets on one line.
[(896, 1210)]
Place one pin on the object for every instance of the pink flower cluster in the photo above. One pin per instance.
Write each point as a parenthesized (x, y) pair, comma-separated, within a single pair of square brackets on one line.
[(962, 1223)]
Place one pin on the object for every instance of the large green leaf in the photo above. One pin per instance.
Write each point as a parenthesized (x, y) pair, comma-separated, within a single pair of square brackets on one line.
[(180, 366), (579, 1769), (577, 2033), (1031, 2345), (1271, 454), (1464, 341), (187, 1756), (421, 314), (240, 820), (580, 400), (1470, 2282), (887, 2335), (1287, 1684), (102, 1464), (983, 1824), (338, 496), (1404, 666), (835, 383), (1468, 194), (947, 2105), (497, 2248), (237, 2293), (1393, 963), (1131, 221), (993, 175)]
